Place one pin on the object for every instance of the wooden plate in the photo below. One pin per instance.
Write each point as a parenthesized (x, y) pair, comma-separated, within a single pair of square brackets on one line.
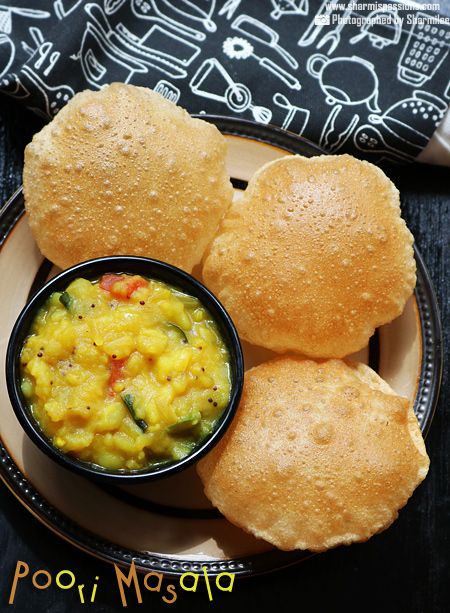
[(169, 526)]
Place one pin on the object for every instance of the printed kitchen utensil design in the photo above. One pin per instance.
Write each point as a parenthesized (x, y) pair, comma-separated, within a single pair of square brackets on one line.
[(167, 90), (6, 13), (149, 10), (238, 48), (7, 51), (383, 27), (447, 91), (40, 50), (157, 44), (229, 8), (199, 11), (293, 113), (369, 139), (305, 65), (259, 31), (54, 97), (333, 138), (35, 75), (7, 45), (425, 50), (105, 49), (333, 38), (361, 88), (408, 121), (321, 20), (111, 6), (236, 96), (63, 8), (289, 7), (13, 87)]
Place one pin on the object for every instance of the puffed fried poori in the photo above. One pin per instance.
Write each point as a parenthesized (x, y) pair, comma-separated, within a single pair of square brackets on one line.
[(314, 257), (320, 453), (123, 171)]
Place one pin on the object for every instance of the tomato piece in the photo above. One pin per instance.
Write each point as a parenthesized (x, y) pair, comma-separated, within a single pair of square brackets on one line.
[(126, 285), (135, 283), (107, 281), (115, 373)]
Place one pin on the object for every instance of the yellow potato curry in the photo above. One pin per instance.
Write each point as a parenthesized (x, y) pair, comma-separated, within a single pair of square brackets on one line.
[(125, 372)]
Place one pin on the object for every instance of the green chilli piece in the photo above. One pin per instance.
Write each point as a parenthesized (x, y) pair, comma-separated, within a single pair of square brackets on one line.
[(185, 423), (182, 448), (66, 300), (27, 388), (128, 401)]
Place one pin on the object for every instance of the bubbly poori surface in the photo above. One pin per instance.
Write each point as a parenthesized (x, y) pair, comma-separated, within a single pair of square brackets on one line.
[(123, 171), (320, 453), (125, 372), (314, 256)]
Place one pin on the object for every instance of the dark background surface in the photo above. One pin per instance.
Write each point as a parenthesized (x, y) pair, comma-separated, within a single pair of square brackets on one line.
[(405, 569)]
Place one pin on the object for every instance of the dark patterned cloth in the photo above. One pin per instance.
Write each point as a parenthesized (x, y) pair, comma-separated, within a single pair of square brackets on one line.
[(370, 79)]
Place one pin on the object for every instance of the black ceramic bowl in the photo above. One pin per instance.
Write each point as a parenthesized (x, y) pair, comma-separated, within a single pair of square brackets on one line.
[(92, 270)]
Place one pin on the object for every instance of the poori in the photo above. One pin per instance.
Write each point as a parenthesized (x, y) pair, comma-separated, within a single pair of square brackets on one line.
[(123, 171), (314, 256), (125, 372), (320, 453)]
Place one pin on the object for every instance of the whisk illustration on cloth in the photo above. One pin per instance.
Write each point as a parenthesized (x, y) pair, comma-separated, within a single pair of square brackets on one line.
[(213, 81), (238, 48)]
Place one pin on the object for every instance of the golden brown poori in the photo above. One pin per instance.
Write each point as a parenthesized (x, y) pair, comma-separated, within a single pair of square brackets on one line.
[(320, 453), (123, 171), (314, 257)]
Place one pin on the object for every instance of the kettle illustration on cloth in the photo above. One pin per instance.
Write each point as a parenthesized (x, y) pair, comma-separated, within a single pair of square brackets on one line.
[(346, 80)]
